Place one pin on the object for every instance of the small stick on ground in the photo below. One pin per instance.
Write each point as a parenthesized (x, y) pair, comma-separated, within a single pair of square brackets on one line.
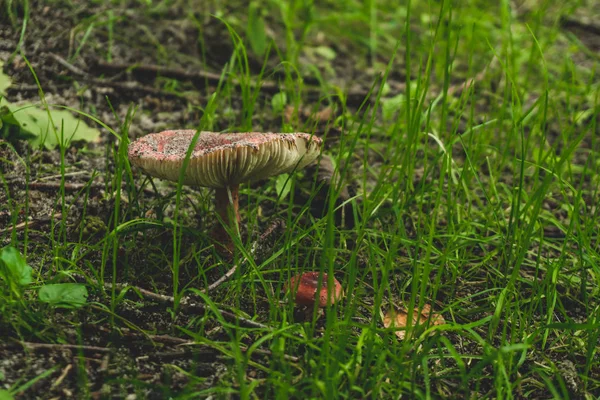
[(183, 342), (73, 187), (69, 187), (62, 376), (53, 186), (269, 353), (59, 347), (32, 224), (198, 77), (125, 86), (256, 248), (67, 65), (168, 339), (223, 278), (188, 304), (85, 174)]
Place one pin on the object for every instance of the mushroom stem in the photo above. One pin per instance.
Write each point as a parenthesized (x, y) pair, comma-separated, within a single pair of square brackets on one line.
[(227, 205)]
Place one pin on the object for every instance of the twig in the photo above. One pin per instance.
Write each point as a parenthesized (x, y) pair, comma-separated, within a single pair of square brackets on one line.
[(188, 304), (74, 187), (124, 86), (168, 339), (201, 78), (151, 69), (134, 87), (58, 347), (40, 184), (104, 363), (62, 376), (171, 355), (587, 25), (69, 187), (264, 352), (223, 278), (197, 77), (274, 227), (31, 224), (58, 176), (256, 248), (67, 65), (25, 87), (184, 342)]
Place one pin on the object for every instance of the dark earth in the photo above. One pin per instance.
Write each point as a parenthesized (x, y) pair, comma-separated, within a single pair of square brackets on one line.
[(138, 352)]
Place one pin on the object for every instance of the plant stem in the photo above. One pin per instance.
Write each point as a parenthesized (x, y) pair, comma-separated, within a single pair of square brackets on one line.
[(227, 206)]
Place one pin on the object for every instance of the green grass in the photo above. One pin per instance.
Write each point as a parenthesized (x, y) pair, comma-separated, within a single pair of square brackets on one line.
[(482, 202)]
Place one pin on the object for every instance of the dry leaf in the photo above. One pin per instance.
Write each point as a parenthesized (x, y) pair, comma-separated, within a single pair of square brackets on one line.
[(322, 116), (399, 319), (291, 114)]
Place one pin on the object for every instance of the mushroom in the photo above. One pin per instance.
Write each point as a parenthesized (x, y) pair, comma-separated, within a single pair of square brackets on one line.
[(223, 161), (308, 292)]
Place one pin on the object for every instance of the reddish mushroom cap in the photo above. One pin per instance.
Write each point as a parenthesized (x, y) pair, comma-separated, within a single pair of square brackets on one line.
[(223, 159), (307, 290)]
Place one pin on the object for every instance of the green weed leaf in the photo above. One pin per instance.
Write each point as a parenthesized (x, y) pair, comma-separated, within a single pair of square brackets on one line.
[(5, 395), (283, 185), (5, 81), (392, 106), (67, 295), (33, 123), (326, 52), (256, 30), (14, 263), (278, 102)]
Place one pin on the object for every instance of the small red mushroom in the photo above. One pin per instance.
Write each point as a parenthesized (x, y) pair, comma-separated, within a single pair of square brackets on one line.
[(308, 292)]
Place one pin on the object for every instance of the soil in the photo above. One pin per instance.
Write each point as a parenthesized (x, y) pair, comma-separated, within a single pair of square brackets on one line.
[(144, 356)]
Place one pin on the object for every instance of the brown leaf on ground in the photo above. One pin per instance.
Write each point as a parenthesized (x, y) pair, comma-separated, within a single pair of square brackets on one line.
[(291, 115), (399, 319), (323, 115)]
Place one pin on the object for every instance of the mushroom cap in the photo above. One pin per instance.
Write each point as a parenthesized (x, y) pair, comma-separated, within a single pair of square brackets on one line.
[(223, 159), (307, 291)]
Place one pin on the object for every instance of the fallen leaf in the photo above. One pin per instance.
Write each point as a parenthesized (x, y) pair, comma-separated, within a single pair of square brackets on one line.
[(34, 124), (290, 115), (322, 116), (399, 319)]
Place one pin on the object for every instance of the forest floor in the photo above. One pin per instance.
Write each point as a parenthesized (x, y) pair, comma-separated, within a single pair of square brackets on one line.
[(460, 173)]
